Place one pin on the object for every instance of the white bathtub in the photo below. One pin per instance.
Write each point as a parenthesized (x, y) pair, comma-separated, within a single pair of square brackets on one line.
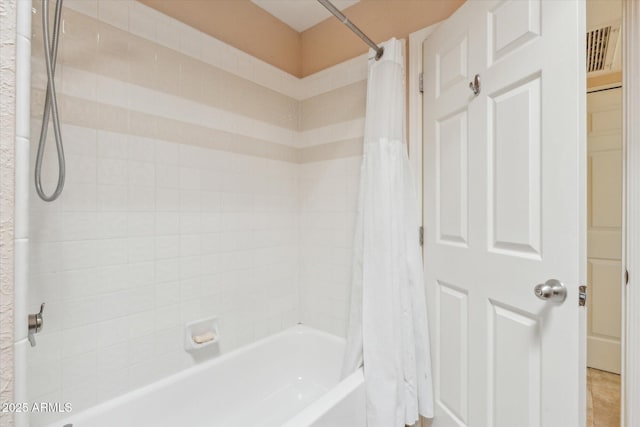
[(290, 379)]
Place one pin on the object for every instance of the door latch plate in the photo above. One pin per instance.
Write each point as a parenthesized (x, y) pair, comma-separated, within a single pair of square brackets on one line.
[(582, 296)]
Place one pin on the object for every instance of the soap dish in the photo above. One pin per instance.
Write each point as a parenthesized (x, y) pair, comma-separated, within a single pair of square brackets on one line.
[(201, 334)]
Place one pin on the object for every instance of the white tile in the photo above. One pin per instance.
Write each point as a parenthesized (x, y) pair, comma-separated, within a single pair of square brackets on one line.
[(87, 7), (115, 13), (141, 174), (141, 249), (189, 245), (167, 270), (111, 225), (141, 324), (141, 23), (79, 312), (167, 317), (141, 149), (111, 332), (111, 278), (190, 223), (191, 42), (112, 172), (79, 83), (112, 383), (111, 145), (78, 369), (167, 223), (189, 267), (141, 274), (167, 153), (112, 92), (167, 30), (167, 176), (79, 140), (167, 247), (44, 377), (167, 200), (111, 252), (189, 178), (141, 198), (78, 255), (83, 396), (141, 349), (168, 294), (113, 357), (141, 224), (112, 197)]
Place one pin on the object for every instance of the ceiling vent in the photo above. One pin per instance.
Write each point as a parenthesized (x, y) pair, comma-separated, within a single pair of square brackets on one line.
[(602, 48)]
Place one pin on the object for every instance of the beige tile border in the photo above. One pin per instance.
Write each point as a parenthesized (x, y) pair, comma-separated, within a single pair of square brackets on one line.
[(84, 113), (339, 105), (149, 68), (152, 25), (111, 52), (80, 112), (331, 151)]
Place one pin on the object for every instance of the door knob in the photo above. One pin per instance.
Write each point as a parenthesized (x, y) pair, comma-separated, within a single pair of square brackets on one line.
[(551, 290)]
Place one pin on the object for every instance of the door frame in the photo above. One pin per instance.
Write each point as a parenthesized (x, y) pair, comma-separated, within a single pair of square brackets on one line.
[(414, 99), (630, 389)]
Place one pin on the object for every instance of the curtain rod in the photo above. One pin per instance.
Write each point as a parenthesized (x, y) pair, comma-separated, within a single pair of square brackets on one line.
[(336, 12)]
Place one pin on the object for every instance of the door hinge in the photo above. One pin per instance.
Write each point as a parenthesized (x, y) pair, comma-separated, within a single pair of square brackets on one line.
[(626, 277), (582, 296), (421, 235), (421, 82)]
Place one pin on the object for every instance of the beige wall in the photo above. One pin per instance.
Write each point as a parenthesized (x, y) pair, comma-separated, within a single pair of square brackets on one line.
[(604, 222), (241, 24), (604, 80), (329, 43), (247, 27)]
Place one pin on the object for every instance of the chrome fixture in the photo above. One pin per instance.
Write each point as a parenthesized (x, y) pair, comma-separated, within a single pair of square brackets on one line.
[(475, 85), (336, 12), (582, 296), (35, 325), (50, 103), (551, 290)]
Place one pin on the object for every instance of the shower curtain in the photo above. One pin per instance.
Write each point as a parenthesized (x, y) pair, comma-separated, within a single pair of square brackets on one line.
[(388, 331)]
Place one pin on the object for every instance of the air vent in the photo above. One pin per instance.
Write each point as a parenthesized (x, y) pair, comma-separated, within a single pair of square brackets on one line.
[(603, 49), (597, 45)]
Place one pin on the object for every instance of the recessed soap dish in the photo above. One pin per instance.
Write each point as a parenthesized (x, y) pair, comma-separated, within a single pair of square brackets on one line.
[(201, 333)]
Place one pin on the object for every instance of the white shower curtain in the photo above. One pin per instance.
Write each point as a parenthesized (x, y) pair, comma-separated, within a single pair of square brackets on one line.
[(388, 331)]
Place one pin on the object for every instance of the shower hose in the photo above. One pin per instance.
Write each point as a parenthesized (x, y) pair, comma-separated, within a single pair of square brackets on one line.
[(50, 103)]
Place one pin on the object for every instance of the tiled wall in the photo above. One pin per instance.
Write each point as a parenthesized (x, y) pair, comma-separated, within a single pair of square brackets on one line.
[(200, 182), (180, 203), (331, 125)]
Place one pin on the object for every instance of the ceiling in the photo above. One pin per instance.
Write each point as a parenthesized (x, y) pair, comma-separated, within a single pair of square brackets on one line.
[(300, 14)]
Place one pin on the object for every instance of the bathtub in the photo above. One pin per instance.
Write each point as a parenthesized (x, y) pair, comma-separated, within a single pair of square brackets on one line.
[(290, 379)]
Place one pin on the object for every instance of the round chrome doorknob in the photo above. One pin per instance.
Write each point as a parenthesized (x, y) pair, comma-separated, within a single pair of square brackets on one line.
[(551, 290)]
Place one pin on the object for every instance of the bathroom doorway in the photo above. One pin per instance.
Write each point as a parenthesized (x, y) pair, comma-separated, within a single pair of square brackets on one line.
[(605, 271)]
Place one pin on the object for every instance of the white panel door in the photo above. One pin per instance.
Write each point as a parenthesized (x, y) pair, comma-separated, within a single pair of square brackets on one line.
[(604, 219), (505, 207)]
